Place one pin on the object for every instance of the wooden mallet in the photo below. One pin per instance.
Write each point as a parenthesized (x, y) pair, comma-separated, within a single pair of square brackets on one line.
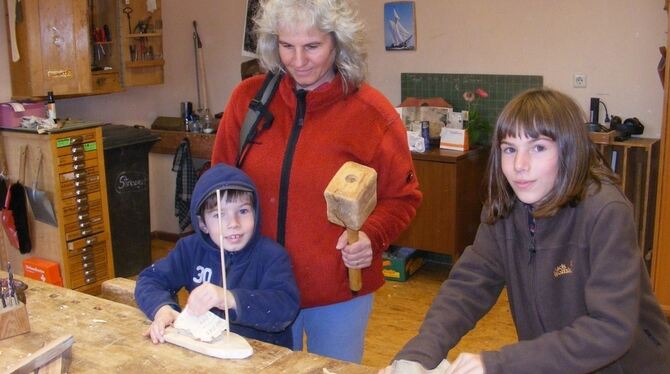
[(351, 196)]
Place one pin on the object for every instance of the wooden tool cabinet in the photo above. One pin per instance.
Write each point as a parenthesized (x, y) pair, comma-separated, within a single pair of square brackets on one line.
[(73, 176), (62, 47), (448, 218)]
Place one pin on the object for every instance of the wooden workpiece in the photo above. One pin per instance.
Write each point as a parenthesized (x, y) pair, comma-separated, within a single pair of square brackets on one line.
[(108, 338)]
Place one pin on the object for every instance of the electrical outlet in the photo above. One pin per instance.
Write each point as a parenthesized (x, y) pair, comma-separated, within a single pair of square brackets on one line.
[(579, 80)]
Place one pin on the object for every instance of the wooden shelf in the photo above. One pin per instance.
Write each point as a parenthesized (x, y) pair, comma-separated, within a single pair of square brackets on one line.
[(635, 160), (145, 63), (145, 35), (201, 144)]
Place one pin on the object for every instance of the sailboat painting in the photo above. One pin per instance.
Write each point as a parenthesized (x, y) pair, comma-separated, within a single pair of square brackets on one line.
[(400, 34)]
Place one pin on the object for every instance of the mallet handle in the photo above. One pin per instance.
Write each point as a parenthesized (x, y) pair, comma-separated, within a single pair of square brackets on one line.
[(355, 282)]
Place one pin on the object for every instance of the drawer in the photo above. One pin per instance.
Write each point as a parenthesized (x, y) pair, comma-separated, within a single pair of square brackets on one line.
[(81, 202), (75, 210), (77, 166), (84, 216), (76, 247), (78, 230), (87, 261), (75, 158), (96, 271), (86, 177), (83, 190), (68, 144)]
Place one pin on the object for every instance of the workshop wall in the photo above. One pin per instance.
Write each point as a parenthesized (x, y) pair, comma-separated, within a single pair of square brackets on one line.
[(614, 42)]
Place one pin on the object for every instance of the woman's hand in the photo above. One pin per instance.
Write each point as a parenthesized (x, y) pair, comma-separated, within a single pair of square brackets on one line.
[(357, 255), (467, 363), (164, 317), (207, 296)]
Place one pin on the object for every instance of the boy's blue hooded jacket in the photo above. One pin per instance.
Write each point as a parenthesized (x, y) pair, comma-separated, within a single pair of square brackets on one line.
[(259, 276)]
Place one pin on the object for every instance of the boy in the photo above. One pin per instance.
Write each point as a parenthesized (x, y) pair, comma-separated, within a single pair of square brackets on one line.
[(262, 294)]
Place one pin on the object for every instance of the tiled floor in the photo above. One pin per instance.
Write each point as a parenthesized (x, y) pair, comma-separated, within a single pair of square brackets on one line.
[(399, 308)]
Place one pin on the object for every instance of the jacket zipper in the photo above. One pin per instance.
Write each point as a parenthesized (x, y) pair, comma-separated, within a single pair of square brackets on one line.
[(531, 263), (301, 108)]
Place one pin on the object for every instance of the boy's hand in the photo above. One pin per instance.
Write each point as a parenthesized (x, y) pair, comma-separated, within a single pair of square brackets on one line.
[(207, 296), (163, 318), (357, 255)]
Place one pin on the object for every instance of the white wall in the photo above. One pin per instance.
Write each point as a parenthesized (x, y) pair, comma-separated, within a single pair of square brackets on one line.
[(614, 42)]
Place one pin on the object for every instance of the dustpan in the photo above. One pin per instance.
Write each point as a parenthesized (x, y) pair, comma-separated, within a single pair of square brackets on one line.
[(39, 201)]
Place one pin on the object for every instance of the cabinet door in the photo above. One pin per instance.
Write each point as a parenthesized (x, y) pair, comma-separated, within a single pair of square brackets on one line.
[(433, 229), (53, 42)]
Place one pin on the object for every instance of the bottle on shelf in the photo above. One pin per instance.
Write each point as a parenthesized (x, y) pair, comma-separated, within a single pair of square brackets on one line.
[(51, 107)]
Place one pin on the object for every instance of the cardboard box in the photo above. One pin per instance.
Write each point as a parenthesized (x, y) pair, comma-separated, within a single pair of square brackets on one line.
[(401, 262), (11, 113), (42, 270), (454, 139)]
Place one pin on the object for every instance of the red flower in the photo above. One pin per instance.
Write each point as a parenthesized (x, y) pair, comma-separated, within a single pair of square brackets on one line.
[(481, 93)]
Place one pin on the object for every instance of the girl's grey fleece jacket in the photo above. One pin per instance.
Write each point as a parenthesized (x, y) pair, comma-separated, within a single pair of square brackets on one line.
[(579, 293)]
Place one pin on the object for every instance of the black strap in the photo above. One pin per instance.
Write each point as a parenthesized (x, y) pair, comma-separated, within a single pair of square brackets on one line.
[(258, 108)]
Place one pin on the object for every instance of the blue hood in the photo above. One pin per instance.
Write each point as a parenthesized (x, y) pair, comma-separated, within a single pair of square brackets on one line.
[(223, 177)]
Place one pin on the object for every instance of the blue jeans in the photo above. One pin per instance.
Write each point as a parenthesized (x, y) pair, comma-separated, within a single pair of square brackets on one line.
[(336, 330)]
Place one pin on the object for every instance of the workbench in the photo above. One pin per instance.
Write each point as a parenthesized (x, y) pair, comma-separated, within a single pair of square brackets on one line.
[(108, 337)]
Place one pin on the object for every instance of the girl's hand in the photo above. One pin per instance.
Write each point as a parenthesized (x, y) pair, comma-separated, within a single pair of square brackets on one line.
[(467, 363), (207, 296), (357, 255), (164, 317), (386, 370)]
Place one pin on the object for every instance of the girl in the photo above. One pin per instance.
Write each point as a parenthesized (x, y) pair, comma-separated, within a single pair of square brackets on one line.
[(559, 234)]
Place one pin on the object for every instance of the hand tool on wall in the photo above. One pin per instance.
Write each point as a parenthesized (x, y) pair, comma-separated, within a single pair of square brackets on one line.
[(200, 78), (350, 197), (127, 10), (39, 201)]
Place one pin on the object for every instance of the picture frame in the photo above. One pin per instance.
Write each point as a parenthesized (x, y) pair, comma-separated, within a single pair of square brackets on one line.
[(248, 38), (399, 26)]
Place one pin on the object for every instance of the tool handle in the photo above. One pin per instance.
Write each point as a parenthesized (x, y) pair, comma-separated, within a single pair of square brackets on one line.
[(355, 281)]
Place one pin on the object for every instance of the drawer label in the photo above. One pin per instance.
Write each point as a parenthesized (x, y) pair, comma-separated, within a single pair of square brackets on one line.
[(66, 142), (92, 146), (63, 142)]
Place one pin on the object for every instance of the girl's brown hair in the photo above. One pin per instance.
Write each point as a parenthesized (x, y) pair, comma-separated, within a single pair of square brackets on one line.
[(546, 112)]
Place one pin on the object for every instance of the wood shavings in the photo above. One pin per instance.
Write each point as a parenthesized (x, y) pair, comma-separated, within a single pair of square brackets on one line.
[(326, 371), (204, 328)]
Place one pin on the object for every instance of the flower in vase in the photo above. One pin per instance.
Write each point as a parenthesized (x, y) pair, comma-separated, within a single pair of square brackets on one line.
[(479, 129)]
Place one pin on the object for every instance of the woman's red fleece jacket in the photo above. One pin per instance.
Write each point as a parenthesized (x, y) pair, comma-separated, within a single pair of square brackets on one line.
[(362, 127)]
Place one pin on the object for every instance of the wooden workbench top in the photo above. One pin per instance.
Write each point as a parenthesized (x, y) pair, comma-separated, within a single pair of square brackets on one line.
[(108, 338)]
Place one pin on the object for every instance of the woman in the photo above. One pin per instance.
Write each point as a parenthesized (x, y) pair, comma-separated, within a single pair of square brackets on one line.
[(324, 115)]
